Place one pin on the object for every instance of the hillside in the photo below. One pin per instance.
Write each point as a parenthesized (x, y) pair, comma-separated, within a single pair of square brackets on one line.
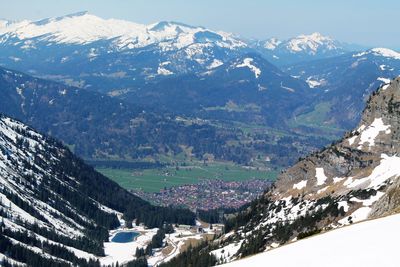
[(352, 180), (56, 210), (101, 127), (247, 88), (366, 244), (344, 83)]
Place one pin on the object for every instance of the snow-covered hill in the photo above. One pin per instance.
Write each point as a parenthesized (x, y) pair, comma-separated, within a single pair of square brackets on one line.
[(368, 244), (300, 48), (84, 28), (88, 51)]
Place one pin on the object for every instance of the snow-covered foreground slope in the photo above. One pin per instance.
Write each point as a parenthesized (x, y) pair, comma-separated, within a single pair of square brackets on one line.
[(367, 244)]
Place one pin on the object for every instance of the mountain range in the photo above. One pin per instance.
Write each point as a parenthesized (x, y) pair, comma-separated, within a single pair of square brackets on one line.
[(118, 90), (301, 48), (87, 51), (154, 74)]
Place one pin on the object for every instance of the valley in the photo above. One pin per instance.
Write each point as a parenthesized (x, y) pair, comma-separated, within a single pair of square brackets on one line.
[(152, 180), (173, 145)]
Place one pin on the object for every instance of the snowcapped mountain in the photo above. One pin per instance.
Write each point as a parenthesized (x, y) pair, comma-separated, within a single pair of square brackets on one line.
[(380, 52), (89, 51), (345, 82), (354, 179), (300, 48), (4, 23), (312, 44), (84, 28)]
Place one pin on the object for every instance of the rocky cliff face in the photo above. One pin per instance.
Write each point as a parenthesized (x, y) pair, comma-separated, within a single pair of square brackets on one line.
[(345, 166), (355, 179)]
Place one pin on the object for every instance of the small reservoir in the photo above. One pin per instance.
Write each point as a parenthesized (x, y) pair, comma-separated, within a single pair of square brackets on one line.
[(124, 237)]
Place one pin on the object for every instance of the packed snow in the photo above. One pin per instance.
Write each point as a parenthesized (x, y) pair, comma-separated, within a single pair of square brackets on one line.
[(124, 252), (247, 62), (84, 28), (343, 204), (216, 63), (300, 185), (226, 253), (320, 175), (389, 167), (272, 43), (314, 83), (358, 215), (384, 52), (385, 80), (367, 244), (369, 134)]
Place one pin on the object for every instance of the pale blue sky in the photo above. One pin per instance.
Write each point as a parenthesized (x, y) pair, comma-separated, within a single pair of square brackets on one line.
[(369, 22)]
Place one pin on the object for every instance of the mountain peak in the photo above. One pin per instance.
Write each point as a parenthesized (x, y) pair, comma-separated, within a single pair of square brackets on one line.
[(163, 25), (77, 14), (49, 20), (311, 43), (317, 36), (272, 43), (386, 52), (380, 51), (84, 28)]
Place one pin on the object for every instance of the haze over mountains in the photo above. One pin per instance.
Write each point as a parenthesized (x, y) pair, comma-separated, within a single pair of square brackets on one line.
[(170, 93), (124, 58)]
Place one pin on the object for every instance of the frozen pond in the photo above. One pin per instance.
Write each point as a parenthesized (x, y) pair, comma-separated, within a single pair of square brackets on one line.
[(124, 237)]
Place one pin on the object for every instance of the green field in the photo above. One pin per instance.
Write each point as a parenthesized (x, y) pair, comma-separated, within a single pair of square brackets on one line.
[(318, 118), (152, 180)]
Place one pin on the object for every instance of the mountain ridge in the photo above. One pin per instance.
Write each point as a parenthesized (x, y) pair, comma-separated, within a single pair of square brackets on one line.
[(55, 210), (354, 179)]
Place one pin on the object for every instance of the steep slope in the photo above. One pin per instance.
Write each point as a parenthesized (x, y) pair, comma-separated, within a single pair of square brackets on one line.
[(55, 209), (87, 51), (300, 48), (344, 83), (246, 88), (352, 180), (366, 244), (98, 126)]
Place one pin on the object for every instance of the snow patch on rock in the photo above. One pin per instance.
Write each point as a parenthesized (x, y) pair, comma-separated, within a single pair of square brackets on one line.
[(369, 134), (247, 62), (300, 185), (320, 175)]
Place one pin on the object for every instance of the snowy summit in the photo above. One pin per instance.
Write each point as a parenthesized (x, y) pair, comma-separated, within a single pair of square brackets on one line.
[(84, 28)]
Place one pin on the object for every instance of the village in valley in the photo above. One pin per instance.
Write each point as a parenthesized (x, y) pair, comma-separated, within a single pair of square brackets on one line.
[(209, 194)]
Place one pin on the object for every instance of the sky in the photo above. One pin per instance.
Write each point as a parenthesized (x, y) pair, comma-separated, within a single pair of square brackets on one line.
[(366, 22)]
